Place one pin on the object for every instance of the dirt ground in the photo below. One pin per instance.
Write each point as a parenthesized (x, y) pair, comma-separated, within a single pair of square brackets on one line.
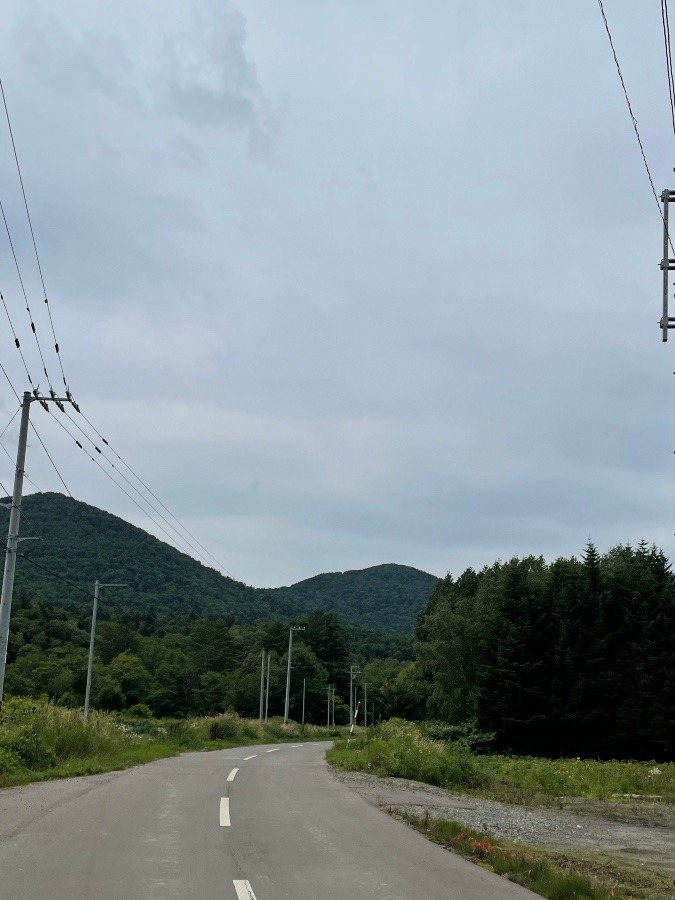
[(637, 832)]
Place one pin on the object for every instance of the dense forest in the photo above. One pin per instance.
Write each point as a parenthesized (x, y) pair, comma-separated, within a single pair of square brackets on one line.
[(183, 666), (575, 658)]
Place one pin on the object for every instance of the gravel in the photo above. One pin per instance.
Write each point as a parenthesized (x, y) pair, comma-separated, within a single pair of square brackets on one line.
[(651, 845)]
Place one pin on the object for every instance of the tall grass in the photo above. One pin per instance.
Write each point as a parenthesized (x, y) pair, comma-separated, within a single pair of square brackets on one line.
[(40, 740), (406, 750), (402, 749)]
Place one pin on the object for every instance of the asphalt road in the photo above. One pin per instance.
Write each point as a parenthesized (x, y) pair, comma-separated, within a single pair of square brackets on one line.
[(254, 823)]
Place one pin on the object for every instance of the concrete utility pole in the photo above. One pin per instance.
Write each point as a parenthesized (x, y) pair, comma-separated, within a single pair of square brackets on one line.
[(303, 701), (92, 638), (262, 685), (353, 671), (288, 670), (14, 519), (333, 706), (365, 703), (328, 709), (267, 686)]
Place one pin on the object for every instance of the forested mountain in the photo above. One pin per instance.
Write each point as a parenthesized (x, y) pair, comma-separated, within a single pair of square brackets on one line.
[(575, 658), (80, 543), (387, 596)]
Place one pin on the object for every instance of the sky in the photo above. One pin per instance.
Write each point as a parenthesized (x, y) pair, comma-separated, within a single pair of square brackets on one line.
[(345, 283)]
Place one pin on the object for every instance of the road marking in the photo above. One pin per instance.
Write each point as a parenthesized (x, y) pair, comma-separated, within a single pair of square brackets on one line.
[(246, 758), (294, 746), (273, 750), (244, 890), (232, 774), (225, 812)]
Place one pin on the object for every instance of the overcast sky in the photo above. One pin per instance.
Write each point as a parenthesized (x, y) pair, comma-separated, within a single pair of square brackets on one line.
[(347, 283)]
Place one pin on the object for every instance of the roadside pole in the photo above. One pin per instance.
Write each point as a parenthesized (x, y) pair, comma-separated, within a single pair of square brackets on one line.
[(13, 540), (267, 686), (262, 685), (328, 709), (92, 638), (303, 701), (288, 668)]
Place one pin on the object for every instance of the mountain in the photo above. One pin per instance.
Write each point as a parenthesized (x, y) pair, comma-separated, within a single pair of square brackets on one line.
[(79, 543), (386, 597)]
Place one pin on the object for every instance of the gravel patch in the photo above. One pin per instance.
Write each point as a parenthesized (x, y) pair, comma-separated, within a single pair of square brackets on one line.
[(649, 845)]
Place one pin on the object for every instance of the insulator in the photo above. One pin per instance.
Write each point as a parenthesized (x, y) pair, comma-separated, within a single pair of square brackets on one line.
[(60, 406), (96, 449), (16, 341), (79, 444), (44, 404), (32, 325), (56, 347)]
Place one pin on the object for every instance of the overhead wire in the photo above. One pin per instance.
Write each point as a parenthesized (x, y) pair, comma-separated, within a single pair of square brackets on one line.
[(665, 22), (145, 512), (32, 233), (154, 496), (633, 118), (136, 490), (181, 536)]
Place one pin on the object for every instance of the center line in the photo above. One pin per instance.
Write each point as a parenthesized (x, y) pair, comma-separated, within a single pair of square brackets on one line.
[(225, 811), (244, 890), (272, 751), (230, 777), (250, 757)]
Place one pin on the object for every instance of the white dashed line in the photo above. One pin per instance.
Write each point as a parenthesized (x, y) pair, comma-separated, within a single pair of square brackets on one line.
[(225, 812), (244, 890), (295, 746), (232, 775), (246, 758), (273, 750)]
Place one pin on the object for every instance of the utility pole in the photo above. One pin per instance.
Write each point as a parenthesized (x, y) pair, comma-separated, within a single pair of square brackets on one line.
[(303, 701), (333, 706), (262, 685), (353, 670), (14, 520), (267, 686), (92, 638), (365, 703), (328, 709), (288, 669)]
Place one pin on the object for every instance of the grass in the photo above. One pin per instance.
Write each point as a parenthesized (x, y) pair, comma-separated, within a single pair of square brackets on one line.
[(555, 875), (41, 741), (405, 750)]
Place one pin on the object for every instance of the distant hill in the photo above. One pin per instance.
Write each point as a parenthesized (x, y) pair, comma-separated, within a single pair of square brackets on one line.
[(80, 543), (385, 597)]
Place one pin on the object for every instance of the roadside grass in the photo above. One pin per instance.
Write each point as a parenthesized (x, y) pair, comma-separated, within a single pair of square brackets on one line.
[(554, 875), (405, 750), (40, 741)]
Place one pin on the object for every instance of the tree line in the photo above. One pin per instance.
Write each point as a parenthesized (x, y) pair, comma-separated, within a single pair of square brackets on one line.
[(572, 658)]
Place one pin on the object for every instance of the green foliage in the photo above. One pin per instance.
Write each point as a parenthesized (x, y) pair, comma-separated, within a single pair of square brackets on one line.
[(41, 740), (575, 658), (401, 749)]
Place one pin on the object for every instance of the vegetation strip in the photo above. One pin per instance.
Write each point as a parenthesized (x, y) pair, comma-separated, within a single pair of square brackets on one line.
[(557, 876), (40, 741)]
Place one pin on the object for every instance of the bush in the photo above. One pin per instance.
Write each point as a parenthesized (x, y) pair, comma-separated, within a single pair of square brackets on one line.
[(139, 711)]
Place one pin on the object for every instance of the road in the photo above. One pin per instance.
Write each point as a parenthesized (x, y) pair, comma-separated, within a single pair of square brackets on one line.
[(254, 823)]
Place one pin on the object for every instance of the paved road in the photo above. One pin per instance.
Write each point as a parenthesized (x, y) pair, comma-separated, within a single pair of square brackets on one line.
[(255, 823)]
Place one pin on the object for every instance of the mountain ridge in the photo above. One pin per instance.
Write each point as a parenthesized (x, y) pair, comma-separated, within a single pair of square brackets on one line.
[(80, 543)]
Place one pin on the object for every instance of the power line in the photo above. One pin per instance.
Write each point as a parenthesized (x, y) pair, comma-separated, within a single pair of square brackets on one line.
[(134, 488), (669, 59), (154, 496), (17, 343), (16, 413), (32, 233), (632, 116), (172, 539)]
